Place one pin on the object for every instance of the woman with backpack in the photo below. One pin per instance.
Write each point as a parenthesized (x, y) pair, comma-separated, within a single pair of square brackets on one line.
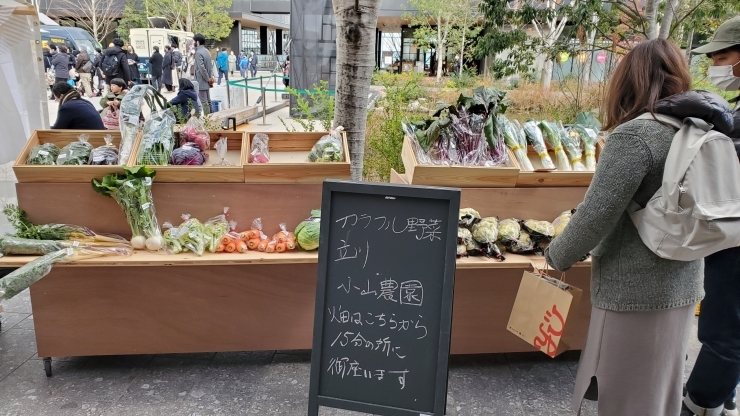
[(642, 305)]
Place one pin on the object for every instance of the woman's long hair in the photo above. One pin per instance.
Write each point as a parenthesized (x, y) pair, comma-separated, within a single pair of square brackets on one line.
[(653, 70)]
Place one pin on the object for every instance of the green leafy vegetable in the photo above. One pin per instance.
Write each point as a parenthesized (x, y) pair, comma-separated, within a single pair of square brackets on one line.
[(308, 231), (43, 154)]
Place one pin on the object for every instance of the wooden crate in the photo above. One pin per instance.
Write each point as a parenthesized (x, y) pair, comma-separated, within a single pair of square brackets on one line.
[(458, 176), (553, 178), (64, 173), (289, 160), (206, 173)]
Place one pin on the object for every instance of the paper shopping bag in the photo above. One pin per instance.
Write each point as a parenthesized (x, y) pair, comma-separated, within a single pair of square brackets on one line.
[(541, 310)]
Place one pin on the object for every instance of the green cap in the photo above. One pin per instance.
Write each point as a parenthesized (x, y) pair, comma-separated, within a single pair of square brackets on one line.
[(727, 35)]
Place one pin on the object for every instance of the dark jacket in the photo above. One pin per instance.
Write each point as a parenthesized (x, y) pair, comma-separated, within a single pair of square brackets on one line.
[(123, 69), (47, 60), (167, 69), (78, 114), (186, 100), (133, 68), (60, 63), (706, 106), (736, 131), (82, 59), (155, 63)]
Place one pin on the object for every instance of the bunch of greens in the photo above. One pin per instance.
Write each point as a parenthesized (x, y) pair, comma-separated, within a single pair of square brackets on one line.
[(572, 144), (552, 135), (76, 153), (465, 133), (28, 247), (514, 138), (190, 235), (24, 228), (328, 148), (43, 154), (534, 136), (588, 137), (133, 193)]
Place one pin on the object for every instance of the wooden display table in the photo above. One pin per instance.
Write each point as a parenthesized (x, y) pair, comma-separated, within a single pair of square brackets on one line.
[(156, 303)]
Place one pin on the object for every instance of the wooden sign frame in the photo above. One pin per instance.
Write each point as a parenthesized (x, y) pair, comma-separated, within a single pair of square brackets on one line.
[(443, 351)]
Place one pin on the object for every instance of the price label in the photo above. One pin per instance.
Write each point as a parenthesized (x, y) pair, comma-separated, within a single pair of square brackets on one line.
[(75, 243), (148, 181), (43, 153), (146, 205), (129, 184), (70, 251), (62, 156), (98, 158)]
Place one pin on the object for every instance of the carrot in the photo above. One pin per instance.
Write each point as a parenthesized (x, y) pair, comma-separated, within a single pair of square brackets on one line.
[(253, 243), (253, 234), (231, 247), (220, 248), (226, 239), (262, 246), (281, 237), (243, 236), (241, 246), (270, 248), (290, 244), (281, 247)]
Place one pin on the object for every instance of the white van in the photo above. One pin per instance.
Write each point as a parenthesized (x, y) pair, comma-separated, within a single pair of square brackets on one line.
[(143, 41)]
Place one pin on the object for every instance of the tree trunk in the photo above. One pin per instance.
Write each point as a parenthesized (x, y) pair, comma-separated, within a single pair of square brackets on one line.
[(665, 24), (462, 51), (651, 19), (689, 46), (355, 65), (547, 74), (441, 52)]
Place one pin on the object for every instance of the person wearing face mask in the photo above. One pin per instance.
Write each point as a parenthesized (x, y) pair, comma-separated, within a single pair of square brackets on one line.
[(711, 387)]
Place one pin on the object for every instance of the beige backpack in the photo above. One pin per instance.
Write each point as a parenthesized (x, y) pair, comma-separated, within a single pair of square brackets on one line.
[(696, 212)]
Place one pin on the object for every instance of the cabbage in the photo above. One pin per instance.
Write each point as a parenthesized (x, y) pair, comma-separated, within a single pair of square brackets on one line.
[(307, 232)]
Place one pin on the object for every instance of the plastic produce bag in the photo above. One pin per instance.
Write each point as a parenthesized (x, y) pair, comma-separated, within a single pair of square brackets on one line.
[(76, 153), (43, 154), (534, 136), (216, 228), (129, 113), (222, 148), (25, 246), (572, 145), (552, 136), (513, 141), (588, 137), (259, 151), (195, 132), (188, 154), (157, 142), (254, 236), (329, 148), (106, 154)]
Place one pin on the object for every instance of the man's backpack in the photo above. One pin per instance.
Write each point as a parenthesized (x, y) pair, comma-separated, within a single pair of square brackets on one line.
[(176, 58), (109, 66), (87, 67), (696, 212)]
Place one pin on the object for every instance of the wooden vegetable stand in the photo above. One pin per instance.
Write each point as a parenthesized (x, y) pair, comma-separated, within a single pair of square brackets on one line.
[(152, 303)]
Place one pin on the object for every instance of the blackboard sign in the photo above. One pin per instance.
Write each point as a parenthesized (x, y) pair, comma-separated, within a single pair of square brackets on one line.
[(384, 298)]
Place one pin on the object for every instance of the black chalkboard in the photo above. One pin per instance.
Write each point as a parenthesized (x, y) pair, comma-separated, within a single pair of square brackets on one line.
[(384, 298)]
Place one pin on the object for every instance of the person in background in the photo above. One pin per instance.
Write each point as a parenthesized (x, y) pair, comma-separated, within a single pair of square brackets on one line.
[(177, 60), (232, 63), (167, 68), (72, 58), (203, 69), (253, 62), (286, 72), (74, 112), (60, 63), (711, 387), (47, 66), (115, 54), (458, 64), (190, 63), (186, 99), (98, 72), (133, 64), (222, 62), (642, 305), (84, 67), (155, 69), (118, 90), (243, 65)]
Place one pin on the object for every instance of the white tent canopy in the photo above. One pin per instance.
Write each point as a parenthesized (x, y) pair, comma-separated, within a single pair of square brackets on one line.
[(24, 107)]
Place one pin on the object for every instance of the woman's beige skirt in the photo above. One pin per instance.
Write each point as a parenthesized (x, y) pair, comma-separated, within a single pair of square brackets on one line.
[(638, 360)]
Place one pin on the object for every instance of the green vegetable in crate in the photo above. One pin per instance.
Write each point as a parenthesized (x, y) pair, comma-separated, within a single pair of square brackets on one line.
[(517, 144), (539, 230), (508, 231), (329, 148), (524, 244), (552, 135), (573, 145), (485, 232), (171, 239), (562, 221), (76, 153), (462, 250), (308, 231), (500, 246), (467, 217), (43, 154), (534, 136), (475, 249), (463, 235), (588, 137)]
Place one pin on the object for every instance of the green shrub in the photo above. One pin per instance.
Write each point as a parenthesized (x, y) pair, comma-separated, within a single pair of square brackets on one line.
[(315, 105)]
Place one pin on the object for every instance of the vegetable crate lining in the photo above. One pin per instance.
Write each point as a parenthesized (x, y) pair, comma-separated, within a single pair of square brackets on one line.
[(289, 160), (554, 178), (205, 173), (459, 176), (64, 173)]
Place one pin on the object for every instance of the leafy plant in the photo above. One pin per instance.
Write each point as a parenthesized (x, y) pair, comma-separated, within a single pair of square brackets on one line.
[(315, 105)]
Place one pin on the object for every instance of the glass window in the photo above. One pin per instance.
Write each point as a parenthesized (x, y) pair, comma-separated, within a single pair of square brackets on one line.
[(250, 40)]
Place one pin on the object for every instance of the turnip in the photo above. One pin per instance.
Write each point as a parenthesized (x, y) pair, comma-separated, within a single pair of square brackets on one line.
[(139, 242), (154, 243)]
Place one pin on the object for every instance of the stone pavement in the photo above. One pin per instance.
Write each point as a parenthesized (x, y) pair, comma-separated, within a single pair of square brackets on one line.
[(245, 383)]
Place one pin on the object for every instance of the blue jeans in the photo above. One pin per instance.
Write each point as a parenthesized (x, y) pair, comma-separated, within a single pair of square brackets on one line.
[(717, 370), (224, 73)]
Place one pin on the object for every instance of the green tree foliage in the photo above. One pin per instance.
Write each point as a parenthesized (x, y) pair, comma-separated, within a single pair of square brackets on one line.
[(316, 105), (208, 17)]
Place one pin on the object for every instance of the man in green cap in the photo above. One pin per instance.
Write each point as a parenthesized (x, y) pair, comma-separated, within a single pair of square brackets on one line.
[(711, 386)]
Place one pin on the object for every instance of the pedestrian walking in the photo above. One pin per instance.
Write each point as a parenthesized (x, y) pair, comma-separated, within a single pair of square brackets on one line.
[(243, 66), (167, 68), (155, 69), (222, 62), (84, 67), (98, 72), (203, 67), (74, 112), (711, 387), (115, 63), (60, 63), (286, 72), (133, 64), (48, 68), (253, 62), (177, 61), (232, 63), (642, 305)]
